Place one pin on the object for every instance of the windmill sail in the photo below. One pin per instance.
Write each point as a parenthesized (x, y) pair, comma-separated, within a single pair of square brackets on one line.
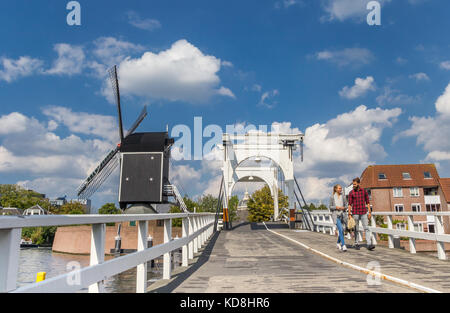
[(99, 175), (116, 92), (138, 122)]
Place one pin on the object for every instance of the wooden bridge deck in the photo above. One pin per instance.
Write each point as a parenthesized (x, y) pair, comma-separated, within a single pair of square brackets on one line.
[(252, 259)]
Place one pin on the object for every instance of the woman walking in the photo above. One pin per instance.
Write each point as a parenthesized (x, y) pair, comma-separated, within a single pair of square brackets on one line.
[(338, 208)]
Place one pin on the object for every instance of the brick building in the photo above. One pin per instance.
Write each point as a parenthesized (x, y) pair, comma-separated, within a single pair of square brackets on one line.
[(408, 188)]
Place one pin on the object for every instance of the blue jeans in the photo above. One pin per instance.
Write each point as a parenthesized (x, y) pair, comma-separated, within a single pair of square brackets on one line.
[(341, 232)]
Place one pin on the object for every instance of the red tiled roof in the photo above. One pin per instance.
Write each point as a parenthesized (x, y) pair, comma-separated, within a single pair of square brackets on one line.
[(394, 178), (445, 185)]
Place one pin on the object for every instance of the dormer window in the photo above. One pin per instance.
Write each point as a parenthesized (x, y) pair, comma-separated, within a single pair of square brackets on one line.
[(406, 176), (426, 174), (381, 176)]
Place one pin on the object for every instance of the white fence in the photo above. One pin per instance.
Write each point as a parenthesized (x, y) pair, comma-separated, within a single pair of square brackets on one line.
[(196, 229), (324, 223)]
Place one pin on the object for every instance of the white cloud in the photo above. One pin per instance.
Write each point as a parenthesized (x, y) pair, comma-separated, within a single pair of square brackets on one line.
[(420, 77), (443, 102), (22, 67), (445, 65), (145, 24), (353, 57), (50, 163), (344, 146), (70, 60), (181, 72), (13, 123), (401, 61), (395, 97), (267, 99), (85, 123), (110, 49), (223, 91), (361, 87), (287, 3), (430, 131), (342, 10)]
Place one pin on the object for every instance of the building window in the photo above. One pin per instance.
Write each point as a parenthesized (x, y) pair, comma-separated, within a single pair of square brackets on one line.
[(414, 191), (433, 207), (418, 227), (381, 176), (159, 223), (406, 176), (398, 192), (415, 207), (427, 175), (431, 228), (399, 208), (401, 226)]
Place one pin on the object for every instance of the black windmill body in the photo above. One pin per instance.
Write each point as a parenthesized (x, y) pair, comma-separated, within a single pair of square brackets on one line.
[(144, 164)]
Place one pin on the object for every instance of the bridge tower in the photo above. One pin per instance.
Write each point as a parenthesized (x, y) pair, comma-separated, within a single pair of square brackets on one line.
[(256, 145)]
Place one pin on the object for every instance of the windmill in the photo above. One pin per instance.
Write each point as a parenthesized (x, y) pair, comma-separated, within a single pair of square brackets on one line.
[(144, 165)]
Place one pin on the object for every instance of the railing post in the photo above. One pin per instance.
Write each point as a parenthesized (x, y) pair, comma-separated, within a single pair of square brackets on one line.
[(97, 252), (9, 258), (440, 231), (185, 233), (141, 270), (390, 237), (194, 220), (191, 242), (412, 241), (374, 235), (204, 231), (167, 266)]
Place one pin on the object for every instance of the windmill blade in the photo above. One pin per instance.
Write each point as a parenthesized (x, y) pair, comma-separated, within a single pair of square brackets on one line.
[(137, 122), (99, 175), (116, 92)]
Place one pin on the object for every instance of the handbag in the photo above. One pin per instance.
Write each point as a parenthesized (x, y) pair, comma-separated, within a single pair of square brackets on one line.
[(351, 223)]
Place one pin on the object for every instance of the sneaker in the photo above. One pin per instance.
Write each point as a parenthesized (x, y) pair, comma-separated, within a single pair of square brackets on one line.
[(370, 247), (344, 248), (338, 245), (356, 247)]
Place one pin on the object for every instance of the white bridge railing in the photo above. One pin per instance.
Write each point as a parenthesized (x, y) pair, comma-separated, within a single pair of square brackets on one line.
[(196, 229), (323, 223)]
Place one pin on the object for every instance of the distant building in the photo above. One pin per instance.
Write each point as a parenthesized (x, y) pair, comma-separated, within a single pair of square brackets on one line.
[(35, 210), (58, 201), (243, 203), (86, 203), (10, 211), (407, 188)]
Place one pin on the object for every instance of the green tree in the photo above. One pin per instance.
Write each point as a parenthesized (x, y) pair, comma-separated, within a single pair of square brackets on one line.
[(207, 203), (15, 196), (232, 207), (109, 208), (71, 208), (190, 204), (260, 204)]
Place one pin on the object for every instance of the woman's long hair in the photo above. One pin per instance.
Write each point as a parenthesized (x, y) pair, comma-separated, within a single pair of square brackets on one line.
[(335, 188)]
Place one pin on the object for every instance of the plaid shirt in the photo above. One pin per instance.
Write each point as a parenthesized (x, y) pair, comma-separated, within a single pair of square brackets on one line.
[(358, 200)]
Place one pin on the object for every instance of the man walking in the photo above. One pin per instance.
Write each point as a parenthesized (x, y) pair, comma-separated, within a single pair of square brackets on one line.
[(359, 208)]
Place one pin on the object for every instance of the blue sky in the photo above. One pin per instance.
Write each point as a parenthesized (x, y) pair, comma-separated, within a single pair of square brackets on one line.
[(362, 94)]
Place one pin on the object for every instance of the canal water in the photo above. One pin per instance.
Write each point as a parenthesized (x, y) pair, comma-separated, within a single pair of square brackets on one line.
[(34, 260)]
